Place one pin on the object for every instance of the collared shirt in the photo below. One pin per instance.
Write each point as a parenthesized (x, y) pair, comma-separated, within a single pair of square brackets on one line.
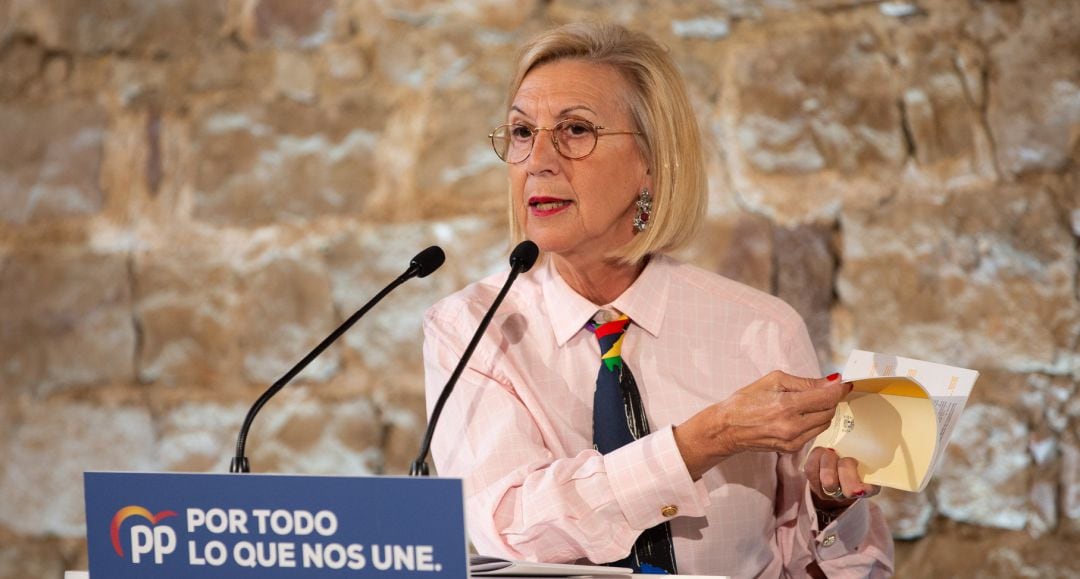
[(518, 428)]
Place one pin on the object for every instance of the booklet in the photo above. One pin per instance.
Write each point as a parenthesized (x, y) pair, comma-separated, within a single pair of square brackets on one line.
[(484, 566), (898, 417)]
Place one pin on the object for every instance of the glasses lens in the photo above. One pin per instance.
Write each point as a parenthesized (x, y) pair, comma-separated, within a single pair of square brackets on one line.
[(576, 138), (512, 143)]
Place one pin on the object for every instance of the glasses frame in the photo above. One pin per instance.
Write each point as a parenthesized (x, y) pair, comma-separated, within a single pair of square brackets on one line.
[(596, 130)]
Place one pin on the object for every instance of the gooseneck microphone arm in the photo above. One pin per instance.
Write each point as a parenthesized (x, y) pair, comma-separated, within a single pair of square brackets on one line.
[(521, 260), (423, 264)]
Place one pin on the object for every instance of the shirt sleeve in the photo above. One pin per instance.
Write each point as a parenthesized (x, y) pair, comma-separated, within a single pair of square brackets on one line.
[(855, 544), (522, 501)]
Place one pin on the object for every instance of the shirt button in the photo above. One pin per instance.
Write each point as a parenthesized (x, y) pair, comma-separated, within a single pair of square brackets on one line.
[(828, 542), (669, 511)]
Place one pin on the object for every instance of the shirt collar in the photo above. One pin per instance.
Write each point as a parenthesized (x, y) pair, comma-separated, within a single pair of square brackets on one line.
[(644, 301)]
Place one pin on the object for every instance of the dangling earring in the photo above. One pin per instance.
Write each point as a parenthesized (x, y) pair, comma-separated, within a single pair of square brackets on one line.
[(644, 208)]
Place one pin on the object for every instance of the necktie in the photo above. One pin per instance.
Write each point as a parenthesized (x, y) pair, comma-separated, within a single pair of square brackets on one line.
[(619, 418)]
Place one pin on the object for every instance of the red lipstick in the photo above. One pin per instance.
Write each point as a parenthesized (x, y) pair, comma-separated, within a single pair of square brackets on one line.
[(540, 206)]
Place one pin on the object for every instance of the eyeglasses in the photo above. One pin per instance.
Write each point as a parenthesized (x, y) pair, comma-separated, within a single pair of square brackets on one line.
[(572, 138)]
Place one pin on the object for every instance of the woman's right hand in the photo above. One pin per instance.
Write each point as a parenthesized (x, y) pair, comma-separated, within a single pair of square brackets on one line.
[(777, 413)]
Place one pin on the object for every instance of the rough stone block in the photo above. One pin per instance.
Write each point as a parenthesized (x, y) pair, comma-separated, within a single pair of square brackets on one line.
[(153, 28), (200, 437), (286, 24), (53, 443), (50, 160), (813, 120), (20, 64), (280, 162), (32, 558), (66, 320), (702, 28), (286, 311), (499, 15), (942, 114), (982, 278), (1047, 400), (405, 420), (739, 247), (388, 339), (969, 551), (1040, 128), (805, 266), (187, 308), (295, 78), (301, 433), (908, 514), (984, 478), (436, 162), (345, 62), (228, 67), (1067, 193), (1070, 481)]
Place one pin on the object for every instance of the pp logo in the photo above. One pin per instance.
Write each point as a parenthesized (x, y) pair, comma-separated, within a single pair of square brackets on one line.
[(144, 539)]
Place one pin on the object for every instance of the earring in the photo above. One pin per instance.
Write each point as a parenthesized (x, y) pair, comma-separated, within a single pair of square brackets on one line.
[(644, 208)]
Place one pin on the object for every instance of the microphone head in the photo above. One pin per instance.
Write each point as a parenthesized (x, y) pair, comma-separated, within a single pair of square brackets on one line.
[(427, 261), (524, 256)]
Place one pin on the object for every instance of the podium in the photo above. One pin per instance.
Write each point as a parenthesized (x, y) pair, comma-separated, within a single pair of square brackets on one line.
[(176, 526), (181, 526)]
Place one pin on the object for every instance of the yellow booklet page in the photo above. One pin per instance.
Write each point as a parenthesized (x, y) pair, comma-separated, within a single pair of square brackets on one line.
[(898, 417)]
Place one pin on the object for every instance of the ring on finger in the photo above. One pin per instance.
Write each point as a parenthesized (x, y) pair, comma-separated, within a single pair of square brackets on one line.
[(837, 493)]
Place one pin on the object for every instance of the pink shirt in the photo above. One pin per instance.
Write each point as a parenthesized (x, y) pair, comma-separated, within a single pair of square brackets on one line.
[(518, 428)]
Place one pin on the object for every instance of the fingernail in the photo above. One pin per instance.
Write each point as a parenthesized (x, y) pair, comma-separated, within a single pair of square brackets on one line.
[(860, 493), (832, 377), (831, 449)]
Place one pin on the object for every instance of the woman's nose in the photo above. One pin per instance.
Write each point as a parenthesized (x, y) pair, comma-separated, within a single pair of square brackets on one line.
[(544, 155)]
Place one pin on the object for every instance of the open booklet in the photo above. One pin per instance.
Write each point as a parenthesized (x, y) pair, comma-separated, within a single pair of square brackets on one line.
[(484, 566), (898, 417)]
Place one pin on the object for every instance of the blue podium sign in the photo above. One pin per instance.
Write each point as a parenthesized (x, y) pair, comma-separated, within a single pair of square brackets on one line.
[(173, 526)]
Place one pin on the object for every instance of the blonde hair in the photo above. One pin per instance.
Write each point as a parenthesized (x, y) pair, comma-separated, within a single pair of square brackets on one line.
[(670, 142)]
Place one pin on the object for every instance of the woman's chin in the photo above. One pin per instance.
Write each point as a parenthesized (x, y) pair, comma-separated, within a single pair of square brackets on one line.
[(548, 241)]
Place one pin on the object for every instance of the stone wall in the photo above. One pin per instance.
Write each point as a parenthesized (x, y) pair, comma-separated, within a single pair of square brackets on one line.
[(194, 192)]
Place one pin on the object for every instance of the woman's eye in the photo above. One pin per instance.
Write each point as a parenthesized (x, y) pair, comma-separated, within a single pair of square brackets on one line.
[(520, 132), (577, 129)]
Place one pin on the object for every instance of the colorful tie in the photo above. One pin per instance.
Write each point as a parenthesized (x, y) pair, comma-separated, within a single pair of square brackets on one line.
[(618, 419)]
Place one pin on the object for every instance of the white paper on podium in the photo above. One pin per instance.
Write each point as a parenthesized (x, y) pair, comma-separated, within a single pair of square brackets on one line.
[(485, 566)]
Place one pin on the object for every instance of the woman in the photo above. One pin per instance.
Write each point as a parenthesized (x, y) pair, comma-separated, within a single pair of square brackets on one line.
[(550, 423)]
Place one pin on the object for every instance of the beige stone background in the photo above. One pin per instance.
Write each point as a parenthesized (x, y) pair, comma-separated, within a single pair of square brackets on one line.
[(194, 192)]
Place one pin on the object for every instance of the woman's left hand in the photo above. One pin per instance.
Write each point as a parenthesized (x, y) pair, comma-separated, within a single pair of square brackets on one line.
[(835, 481)]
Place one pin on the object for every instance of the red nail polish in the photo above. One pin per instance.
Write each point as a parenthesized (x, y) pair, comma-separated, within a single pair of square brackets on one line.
[(832, 377), (860, 493)]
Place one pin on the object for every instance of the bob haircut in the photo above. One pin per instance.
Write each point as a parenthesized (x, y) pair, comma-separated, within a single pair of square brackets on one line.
[(670, 142)]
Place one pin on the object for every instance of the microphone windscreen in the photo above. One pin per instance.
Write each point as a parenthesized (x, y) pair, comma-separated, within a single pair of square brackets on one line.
[(428, 261), (524, 256)]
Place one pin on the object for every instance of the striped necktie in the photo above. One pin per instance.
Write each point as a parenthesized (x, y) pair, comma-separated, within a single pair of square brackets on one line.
[(618, 419)]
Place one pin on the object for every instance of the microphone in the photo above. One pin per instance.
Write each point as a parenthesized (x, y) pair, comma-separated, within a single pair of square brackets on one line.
[(521, 260), (422, 265)]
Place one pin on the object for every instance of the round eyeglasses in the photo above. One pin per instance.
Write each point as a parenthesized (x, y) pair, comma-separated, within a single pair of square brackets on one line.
[(572, 138)]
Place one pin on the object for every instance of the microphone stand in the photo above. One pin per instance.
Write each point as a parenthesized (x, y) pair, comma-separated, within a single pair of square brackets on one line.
[(521, 260), (423, 264)]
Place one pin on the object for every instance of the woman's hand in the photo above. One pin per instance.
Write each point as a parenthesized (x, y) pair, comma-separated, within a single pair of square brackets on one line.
[(777, 413), (834, 481)]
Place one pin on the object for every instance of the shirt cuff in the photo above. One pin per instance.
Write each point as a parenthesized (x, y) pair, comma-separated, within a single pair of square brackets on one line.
[(651, 483), (844, 534)]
